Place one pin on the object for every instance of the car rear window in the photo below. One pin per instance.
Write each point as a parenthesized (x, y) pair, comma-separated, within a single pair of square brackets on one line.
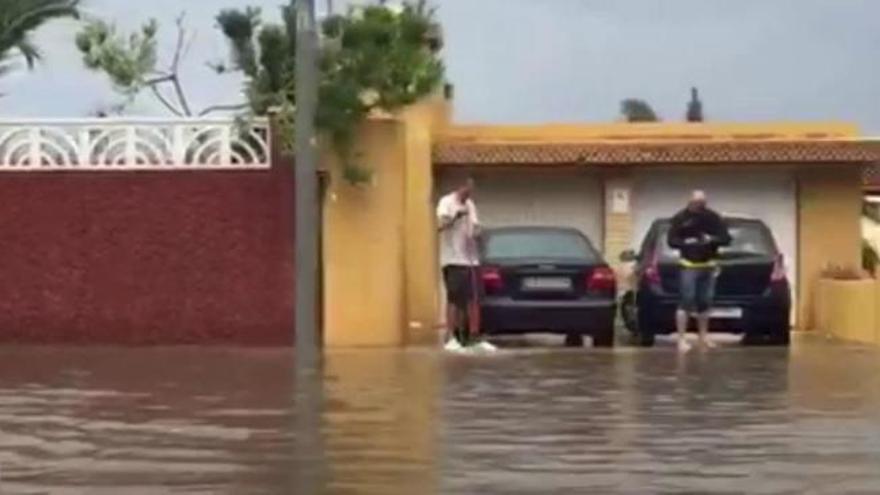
[(538, 244), (747, 239)]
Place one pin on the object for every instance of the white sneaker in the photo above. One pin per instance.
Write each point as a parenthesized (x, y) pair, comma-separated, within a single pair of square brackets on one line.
[(453, 345), (707, 343), (683, 345), (486, 346)]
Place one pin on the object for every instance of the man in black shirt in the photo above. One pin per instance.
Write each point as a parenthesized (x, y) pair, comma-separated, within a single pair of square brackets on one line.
[(697, 232)]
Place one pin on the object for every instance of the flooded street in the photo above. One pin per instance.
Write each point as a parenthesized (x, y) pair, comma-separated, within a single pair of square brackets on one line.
[(736, 420)]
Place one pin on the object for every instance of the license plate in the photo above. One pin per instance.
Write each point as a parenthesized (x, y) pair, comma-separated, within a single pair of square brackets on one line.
[(546, 283), (726, 313)]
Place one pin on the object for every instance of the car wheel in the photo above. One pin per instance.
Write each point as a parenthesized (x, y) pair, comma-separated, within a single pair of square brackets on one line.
[(645, 331), (574, 340), (629, 312), (604, 338), (780, 337), (753, 339)]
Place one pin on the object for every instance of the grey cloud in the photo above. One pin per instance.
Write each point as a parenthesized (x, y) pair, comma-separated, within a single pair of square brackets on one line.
[(532, 61)]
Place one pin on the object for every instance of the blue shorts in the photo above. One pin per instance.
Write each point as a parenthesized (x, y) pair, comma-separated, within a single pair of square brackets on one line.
[(697, 286)]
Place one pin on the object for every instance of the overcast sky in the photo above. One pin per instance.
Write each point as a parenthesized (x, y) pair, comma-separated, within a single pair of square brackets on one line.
[(536, 61)]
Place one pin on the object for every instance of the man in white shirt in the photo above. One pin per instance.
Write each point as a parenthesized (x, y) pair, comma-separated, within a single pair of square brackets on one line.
[(459, 226)]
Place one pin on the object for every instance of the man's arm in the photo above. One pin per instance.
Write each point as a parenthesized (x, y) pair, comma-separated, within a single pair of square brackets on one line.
[(720, 233), (473, 218), (447, 218), (673, 237)]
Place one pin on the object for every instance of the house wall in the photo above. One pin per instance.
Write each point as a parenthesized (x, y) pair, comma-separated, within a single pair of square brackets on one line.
[(380, 239), (618, 220), (829, 210), (363, 243), (170, 257), (380, 271), (421, 270)]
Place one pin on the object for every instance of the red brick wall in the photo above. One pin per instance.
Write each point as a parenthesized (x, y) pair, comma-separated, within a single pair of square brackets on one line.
[(147, 258)]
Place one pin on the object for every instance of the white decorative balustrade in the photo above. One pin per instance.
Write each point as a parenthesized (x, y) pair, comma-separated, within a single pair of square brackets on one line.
[(126, 144)]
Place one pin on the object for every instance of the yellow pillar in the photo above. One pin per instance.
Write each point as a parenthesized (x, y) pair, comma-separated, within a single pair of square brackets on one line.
[(364, 303), (829, 211), (618, 221), (421, 121), (380, 270)]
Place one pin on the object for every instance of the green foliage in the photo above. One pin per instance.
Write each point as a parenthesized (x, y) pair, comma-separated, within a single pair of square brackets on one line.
[(372, 58), (131, 64), (20, 18), (635, 110), (127, 61)]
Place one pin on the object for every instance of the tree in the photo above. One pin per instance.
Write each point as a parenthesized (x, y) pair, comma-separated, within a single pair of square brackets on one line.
[(372, 58), (20, 18), (695, 107), (635, 110), (131, 64)]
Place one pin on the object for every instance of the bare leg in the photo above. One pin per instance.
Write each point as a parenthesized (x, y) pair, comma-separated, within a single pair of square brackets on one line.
[(703, 327), (473, 320), (681, 324), (453, 321)]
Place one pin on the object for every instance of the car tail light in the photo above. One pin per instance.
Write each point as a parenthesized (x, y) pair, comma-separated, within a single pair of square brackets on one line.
[(491, 277), (602, 279), (778, 274), (652, 271)]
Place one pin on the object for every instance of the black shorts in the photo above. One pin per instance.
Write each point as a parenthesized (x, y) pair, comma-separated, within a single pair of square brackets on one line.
[(461, 284)]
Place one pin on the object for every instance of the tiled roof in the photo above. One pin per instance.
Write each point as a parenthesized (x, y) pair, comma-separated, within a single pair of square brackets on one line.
[(464, 153)]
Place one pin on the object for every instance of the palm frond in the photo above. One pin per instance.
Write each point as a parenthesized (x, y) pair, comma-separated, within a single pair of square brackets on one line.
[(20, 18), (29, 51)]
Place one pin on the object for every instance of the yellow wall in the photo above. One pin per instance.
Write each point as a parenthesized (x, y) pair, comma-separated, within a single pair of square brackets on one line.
[(379, 248), (380, 271), (648, 132), (364, 244), (829, 206), (421, 273), (618, 225)]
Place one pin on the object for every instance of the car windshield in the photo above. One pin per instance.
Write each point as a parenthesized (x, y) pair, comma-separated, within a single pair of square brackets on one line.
[(748, 239), (547, 244)]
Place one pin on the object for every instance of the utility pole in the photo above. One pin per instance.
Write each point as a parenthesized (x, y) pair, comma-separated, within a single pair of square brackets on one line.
[(308, 382), (306, 188)]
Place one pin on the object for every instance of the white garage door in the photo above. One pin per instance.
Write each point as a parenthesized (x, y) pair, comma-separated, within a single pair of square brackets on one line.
[(513, 197), (768, 195)]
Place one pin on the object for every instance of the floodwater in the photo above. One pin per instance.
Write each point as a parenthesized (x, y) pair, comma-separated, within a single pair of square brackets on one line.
[(525, 421)]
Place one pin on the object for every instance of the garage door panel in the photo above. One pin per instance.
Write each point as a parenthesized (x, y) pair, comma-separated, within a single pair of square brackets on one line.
[(509, 197), (768, 195)]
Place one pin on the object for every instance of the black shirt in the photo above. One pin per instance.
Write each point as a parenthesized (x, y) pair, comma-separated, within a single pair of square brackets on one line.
[(698, 234)]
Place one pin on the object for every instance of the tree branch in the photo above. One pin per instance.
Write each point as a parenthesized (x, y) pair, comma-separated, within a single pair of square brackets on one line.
[(159, 96), (181, 97), (220, 108), (174, 77), (158, 80), (181, 39)]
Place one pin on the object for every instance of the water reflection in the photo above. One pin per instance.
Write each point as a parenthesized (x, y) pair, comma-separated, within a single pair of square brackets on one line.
[(419, 422)]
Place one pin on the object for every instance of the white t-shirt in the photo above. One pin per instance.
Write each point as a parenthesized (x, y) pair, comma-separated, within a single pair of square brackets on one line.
[(457, 242)]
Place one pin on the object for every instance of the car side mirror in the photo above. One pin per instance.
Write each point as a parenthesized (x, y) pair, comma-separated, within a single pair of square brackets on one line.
[(628, 256)]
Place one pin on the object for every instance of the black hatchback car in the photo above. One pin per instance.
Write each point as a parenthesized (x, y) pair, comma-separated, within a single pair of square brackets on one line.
[(546, 280), (752, 293)]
